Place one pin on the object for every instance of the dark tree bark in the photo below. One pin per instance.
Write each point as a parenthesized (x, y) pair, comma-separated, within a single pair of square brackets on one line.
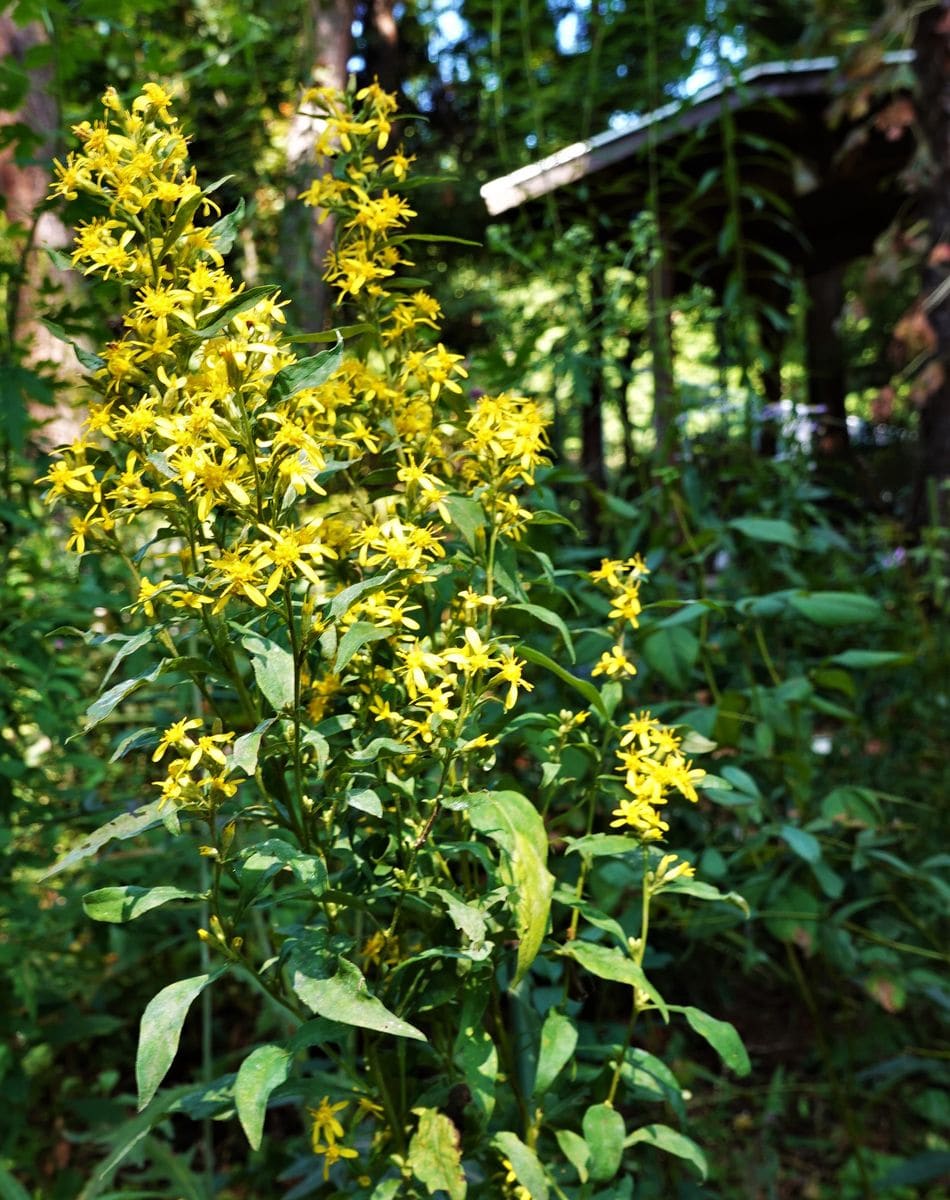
[(825, 362), (327, 46), (932, 48)]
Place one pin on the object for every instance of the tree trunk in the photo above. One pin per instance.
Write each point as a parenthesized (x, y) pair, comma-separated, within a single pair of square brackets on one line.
[(660, 306), (327, 45), (825, 364), (932, 48)]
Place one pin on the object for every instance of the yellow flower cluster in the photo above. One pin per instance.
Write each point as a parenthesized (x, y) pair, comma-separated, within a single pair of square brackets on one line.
[(256, 482), (623, 577), (199, 778), (653, 765)]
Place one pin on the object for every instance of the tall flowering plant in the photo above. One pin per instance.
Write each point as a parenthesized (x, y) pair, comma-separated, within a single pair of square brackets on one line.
[(326, 555)]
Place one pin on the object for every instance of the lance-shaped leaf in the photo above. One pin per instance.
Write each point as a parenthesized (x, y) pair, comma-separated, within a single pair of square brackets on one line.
[(558, 1043), (333, 987), (607, 963), (665, 1138), (513, 823), (125, 826), (306, 373), (160, 1031), (721, 1036), (213, 323), (263, 1070), (524, 1163), (118, 904)]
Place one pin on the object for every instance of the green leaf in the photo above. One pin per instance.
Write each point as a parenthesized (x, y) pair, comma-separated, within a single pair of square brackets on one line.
[(305, 373), (705, 891), (224, 232), (604, 1131), (219, 318), (273, 670), (546, 617), (476, 1056), (647, 1073), (263, 1070), (434, 1156), (118, 904), (92, 362), (912, 1172), (365, 800), (343, 601), (340, 993), (805, 844), (721, 1036), (465, 917), (266, 859), (856, 660), (524, 1162), (587, 690), (601, 845), (608, 963), (331, 335), (118, 829), (356, 637), (667, 1139), (672, 653), (160, 1031), (248, 746), (767, 529), (513, 823), (110, 700), (558, 1043), (468, 517), (11, 1188), (833, 609), (575, 1150)]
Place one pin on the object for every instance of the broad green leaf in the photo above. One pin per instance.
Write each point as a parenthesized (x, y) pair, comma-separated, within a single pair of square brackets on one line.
[(546, 617), (263, 1070), (852, 804), (575, 1150), (604, 1131), (672, 653), (608, 963), (767, 529), (477, 1059), (11, 1188), (339, 991), (742, 781), (721, 1036), (805, 844), (587, 690), (365, 800), (160, 1031), (858, 659), (647, 1073), (214, 322), (434, 1156), (306, 373), (266, 859), (273, 670), (667, 1139), (356, 637), (118, 829), (468, 517), (248, 746), (513, 822), (524, 1162), (465, 917), (558, 1043), (833, 609), (117, 904)]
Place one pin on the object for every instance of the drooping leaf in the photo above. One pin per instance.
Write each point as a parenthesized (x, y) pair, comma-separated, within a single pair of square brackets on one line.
[(672, 1142), (525, 1164), (706, 891), (125, 826), (306, 373), (721, 1036), (604, 1132), (248, 746), (434, 1155), (263, 1070), (160, 1031), (107, 703), (575, 1150), (92, 362), (547, 617), (587, 690), (118, 904), (335, 988), (608, 963), (558, 1043), (513, 823)]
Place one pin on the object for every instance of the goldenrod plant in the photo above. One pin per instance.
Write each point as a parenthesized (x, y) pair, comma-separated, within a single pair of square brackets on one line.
[(330, 559)]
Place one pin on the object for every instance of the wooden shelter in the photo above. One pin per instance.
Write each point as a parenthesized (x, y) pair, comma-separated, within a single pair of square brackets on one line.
[(752, 183)]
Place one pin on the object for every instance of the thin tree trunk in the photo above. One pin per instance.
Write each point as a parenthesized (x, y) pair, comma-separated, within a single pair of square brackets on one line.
[(660, 305), (305, 243), (932, 47), (826, 384)]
